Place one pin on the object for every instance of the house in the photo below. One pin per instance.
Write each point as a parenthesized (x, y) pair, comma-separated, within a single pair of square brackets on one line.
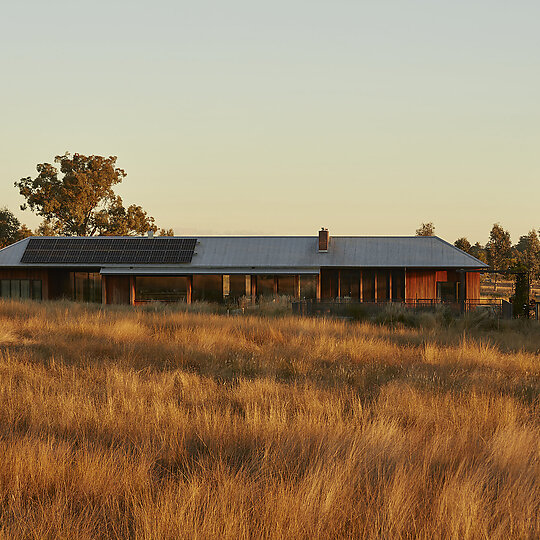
[(133, 270)]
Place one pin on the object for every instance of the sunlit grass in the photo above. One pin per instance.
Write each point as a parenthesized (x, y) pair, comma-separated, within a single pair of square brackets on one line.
[(166, 424)]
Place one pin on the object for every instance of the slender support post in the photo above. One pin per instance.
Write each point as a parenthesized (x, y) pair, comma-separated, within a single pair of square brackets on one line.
[(405, 288), (189, 289), (253, 289), (462, 291), (528, 295), (103, 289), (132, 290)]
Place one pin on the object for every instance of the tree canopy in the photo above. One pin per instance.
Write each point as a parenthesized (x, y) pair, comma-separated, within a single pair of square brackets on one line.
[(528, 250), (9, 225), (426, 229), (463, 244), (77, 198), (479, 252), (11, 229), (499, 248)]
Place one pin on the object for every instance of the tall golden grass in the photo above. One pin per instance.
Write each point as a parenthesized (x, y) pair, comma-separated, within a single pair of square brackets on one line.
[(123, 423)]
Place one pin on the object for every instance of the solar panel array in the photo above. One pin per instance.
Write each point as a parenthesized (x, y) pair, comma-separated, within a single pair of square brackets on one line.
[(105, 250)]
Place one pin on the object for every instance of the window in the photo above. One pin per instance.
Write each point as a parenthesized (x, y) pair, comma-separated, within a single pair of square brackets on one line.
[(5, 288), (308, 287), (36, 289), (87, 286), (329, 283), (349, 284), (207, 288), (447, 291), (80, 286), (162, 289), (15, 288), (383, 285), (238, 286), (398, 285), (20, 288), (265, 285), (368, 286), (286, 286), (25, 288)]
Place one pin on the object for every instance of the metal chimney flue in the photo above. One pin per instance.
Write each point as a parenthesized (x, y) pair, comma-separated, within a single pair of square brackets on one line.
[(150, 234), (324, 239)]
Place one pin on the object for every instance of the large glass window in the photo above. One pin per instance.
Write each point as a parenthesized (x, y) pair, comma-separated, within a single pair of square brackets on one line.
[(308, 287), (398, 285), (208, 288), (15, 288), (95, 287), (349, 284), (287, 286), (87, 286), (20, 288), (81, 286), (36, 289), (447, 291), (238, 285), (25, 288), (368, 286), (265, 285), (383, 285), (160, 288), (5, 288), (329, 283)]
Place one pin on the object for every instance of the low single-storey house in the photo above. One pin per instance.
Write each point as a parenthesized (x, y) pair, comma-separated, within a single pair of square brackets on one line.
[(133, 270)]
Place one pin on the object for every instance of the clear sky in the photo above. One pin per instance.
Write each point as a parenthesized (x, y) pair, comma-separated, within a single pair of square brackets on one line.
[(250, 117)]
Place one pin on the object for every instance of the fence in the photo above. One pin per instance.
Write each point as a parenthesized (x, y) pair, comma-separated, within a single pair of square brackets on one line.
[(346, 308)]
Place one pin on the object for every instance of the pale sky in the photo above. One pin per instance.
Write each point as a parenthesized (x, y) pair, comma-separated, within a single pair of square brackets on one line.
[(249, 117)]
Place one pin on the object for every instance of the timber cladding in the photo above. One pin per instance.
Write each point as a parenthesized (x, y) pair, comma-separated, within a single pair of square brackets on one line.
[(420, 285), (473, 286), (118, 289)]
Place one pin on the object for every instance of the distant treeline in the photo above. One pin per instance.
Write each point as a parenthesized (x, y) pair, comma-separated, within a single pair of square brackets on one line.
[(499, 252)]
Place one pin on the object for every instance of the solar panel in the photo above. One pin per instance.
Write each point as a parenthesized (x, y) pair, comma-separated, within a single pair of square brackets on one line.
[(109, 250)]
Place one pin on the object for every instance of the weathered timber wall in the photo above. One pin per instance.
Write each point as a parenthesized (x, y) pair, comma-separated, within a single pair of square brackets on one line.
[(118, 289)]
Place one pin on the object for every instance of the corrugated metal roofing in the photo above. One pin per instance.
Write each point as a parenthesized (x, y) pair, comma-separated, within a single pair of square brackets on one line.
[(11, 255), (244, 254)]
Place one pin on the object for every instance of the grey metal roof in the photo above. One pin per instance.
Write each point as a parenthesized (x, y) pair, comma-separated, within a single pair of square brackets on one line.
[(294, 254), (11, 255)]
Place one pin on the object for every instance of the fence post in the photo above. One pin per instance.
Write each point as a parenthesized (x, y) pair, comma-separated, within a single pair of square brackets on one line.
[(462, 292)]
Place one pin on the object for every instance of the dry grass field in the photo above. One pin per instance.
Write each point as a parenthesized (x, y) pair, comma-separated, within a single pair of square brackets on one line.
[(120, 423)]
